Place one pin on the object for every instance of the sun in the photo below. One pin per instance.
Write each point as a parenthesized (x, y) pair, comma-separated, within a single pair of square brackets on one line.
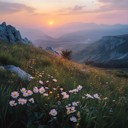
[(51, 23)]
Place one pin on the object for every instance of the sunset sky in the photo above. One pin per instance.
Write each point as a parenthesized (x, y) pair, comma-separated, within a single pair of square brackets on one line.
[(58, 12)]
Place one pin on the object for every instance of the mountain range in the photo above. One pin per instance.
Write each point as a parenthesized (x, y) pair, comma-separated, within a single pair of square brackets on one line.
[(109, 51), (79, 35)]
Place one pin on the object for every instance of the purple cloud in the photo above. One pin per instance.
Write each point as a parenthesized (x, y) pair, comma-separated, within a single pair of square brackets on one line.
[(6, 7), (115, 4), (72, 9), (108, 6), (77, 8)]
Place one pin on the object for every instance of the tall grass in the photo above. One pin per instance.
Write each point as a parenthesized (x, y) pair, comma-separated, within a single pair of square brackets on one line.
[(110, 112)]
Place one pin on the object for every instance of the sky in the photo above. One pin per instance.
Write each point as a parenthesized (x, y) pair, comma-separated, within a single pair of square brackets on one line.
[(58, 12)]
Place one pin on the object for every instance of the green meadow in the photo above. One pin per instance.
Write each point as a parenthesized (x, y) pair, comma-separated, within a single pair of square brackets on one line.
[(61, 94)]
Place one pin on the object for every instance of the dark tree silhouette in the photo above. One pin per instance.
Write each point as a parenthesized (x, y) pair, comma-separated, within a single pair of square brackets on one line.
[(66, 54)]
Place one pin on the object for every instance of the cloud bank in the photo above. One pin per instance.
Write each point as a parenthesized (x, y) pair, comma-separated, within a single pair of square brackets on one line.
[(6, 7)]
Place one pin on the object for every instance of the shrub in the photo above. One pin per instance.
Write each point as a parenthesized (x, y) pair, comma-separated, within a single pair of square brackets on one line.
[(66, 54)]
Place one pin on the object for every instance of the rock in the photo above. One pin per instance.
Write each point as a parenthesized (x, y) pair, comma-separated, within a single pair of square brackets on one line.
[(3, 33), (10, 34), (21, 74), (26, 41), (52, 50), (2, 68), (3, 24)]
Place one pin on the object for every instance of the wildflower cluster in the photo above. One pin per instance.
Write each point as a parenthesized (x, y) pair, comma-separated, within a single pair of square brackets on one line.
[(50, 91), (76, 90)]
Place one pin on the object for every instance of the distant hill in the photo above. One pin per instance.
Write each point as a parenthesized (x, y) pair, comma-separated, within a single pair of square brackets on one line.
[(10, 34), (91, 34), (77, 40), (110, 51), (35, 34)]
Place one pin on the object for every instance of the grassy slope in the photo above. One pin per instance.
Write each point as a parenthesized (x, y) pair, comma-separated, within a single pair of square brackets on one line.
[(69, 75)]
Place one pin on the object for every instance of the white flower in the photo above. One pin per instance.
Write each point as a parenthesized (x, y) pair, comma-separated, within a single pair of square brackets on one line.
[(22, 101), (73, 119), (83, 97), (106, 98), (69, 104), (63, 93), (40, 75), (41, 90), (74, 104), (89, 96), (14, 94), (73, 109), (73, 91), (45, 94), (31, 77), (35, 90), (47, 81), (61, 89), (23, 90), (25, 94), (96, 96), (114, 100), (29, 92), (70, 91), (106, 82), (54, 80), (65, 96), (53, 112), (52, 77), (12, 103), (31, 100), (70, 109), (41, 82), (46, 88), (79, 87), (54, 89)]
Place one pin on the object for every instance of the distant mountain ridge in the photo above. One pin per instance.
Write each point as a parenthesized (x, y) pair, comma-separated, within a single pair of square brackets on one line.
[(77, 40), (10, 34), (110, 51)]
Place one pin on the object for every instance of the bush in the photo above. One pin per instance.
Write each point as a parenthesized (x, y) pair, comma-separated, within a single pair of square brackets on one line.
[(122, 74), (66, 54)]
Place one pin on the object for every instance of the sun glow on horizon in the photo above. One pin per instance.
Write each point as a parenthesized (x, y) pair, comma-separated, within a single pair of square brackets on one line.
[(51, 22)]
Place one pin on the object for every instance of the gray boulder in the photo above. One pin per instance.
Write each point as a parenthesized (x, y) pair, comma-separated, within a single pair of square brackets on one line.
[(52, 50), (21, 73), (2, 68), (25, 40)]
